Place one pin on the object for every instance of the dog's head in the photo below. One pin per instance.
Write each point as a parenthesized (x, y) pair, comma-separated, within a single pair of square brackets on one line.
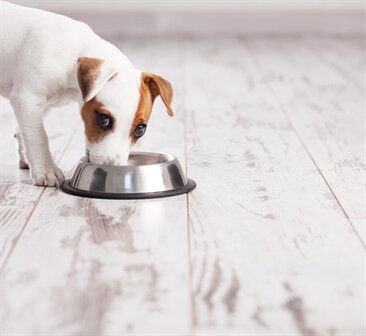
[(116, 107)]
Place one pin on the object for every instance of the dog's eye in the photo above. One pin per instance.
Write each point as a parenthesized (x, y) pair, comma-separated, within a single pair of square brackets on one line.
[(104, 121), (139, 131)]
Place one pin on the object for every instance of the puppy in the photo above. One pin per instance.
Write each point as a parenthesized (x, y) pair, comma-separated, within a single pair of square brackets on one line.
[(49, 60)]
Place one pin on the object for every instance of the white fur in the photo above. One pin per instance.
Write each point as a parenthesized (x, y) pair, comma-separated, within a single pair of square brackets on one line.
[(38, 63)]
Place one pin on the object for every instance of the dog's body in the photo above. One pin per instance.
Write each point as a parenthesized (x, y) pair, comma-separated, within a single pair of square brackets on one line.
[(48, 60)]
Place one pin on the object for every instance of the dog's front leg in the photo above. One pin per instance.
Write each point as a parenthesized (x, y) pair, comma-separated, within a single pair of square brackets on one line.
[(43, 170), (23, 164), (29, 111)]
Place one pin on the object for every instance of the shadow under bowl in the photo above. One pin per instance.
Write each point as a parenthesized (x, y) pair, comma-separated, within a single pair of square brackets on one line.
[(147, 175)]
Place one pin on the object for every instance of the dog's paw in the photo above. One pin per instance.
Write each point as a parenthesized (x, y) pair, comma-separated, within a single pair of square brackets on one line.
[(48, 176)]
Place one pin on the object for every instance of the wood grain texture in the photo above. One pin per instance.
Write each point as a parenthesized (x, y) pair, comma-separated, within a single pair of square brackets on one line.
[(272, 252), (119, 267), (327, 112), (271, 131), (118, 264), (18, 197), (334, 51)]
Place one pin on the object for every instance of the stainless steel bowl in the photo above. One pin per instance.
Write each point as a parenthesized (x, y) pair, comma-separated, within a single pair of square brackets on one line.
[(147, 175)]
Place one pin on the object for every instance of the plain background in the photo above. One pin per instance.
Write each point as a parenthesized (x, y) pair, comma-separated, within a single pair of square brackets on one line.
[(201, 5)]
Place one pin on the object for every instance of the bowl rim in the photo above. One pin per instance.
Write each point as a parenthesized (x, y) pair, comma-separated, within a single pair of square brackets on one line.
[(67, 188), (170, 157)]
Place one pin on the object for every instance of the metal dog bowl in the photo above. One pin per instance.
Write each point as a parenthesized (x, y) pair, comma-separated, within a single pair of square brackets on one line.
[(147, 175)]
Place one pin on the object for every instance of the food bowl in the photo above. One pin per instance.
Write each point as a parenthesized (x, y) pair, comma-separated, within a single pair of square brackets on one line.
[(147, 175)]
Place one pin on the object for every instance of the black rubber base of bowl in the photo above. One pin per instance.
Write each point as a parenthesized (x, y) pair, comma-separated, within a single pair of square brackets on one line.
[(67, 188)]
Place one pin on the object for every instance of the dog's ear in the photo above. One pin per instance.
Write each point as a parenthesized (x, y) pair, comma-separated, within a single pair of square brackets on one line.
[(93, 74), (159, 87)]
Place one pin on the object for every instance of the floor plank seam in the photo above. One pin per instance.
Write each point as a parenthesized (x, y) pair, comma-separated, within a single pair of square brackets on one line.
[(190, 277), (330, 188), (3, 266), (250, 52), (262, 246)]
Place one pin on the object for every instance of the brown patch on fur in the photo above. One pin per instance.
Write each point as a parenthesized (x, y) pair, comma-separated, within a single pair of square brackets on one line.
[(88, 70), (93, 132), (151, 87), (144, 109), (159, 87)]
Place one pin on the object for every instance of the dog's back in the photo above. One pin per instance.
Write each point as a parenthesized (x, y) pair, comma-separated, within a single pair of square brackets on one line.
[(31, 37)]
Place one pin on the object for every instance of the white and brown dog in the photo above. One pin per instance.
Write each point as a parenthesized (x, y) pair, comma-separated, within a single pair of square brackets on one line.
[(49, 60)]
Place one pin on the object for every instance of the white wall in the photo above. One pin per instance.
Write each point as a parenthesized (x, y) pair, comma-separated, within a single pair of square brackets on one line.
[(212, 17), (195, 5)]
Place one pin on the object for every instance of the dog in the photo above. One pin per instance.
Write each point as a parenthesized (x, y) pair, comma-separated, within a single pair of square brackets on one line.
[(49, 60)]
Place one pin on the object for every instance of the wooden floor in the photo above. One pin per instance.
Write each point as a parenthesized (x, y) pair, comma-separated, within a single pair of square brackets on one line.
[(272, 241)]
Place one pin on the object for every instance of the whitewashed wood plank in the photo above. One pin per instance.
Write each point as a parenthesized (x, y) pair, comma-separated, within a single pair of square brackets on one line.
[(346, 56), (328, 114), (120, 267), (18, 197), (271, 251)]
